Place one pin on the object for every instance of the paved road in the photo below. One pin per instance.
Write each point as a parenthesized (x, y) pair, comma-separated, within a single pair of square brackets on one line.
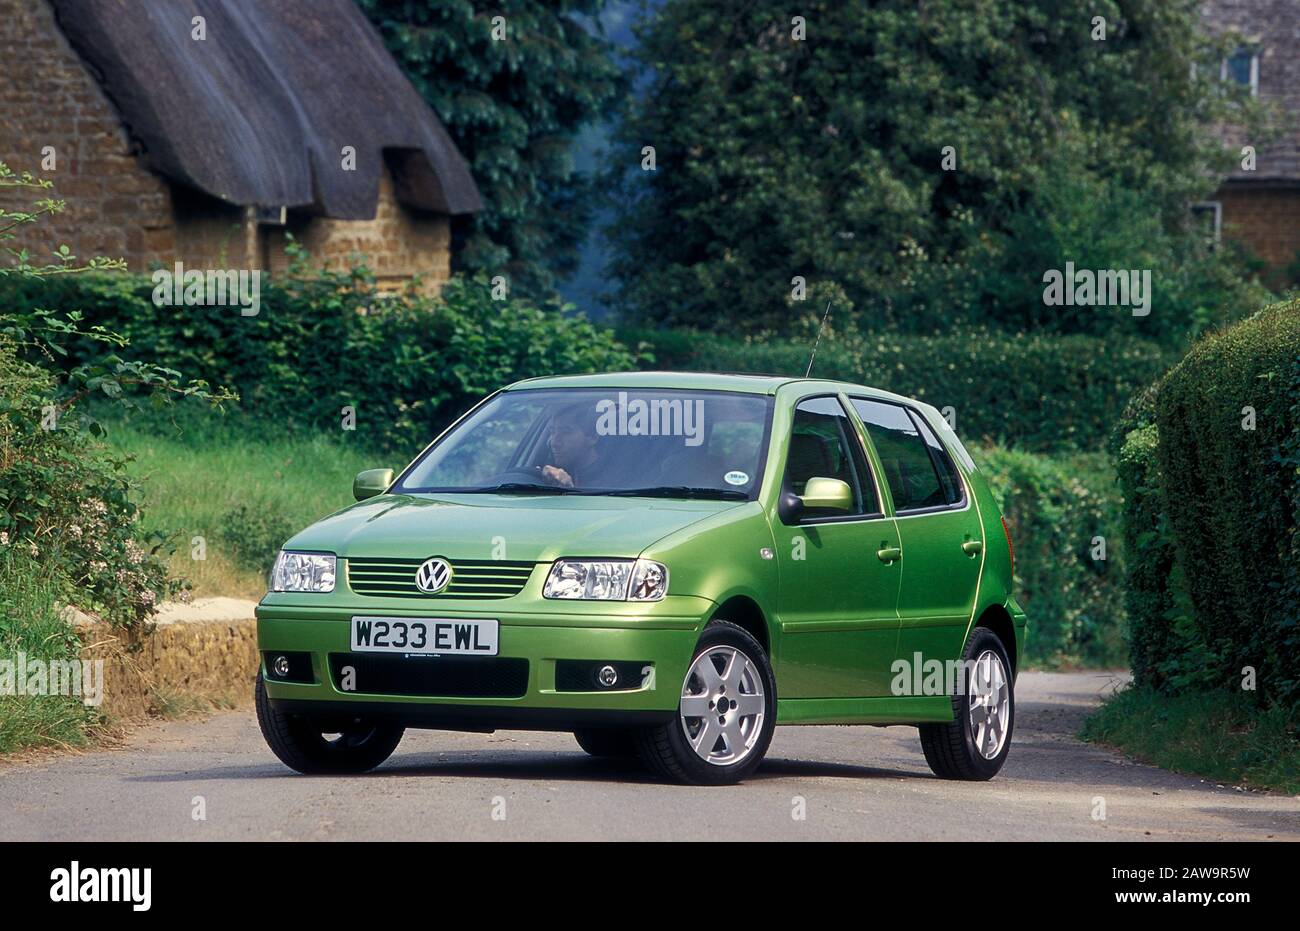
[(857, 783)]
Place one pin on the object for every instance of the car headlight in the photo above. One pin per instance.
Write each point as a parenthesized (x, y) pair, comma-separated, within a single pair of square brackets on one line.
[(303, 572), (607, 580)]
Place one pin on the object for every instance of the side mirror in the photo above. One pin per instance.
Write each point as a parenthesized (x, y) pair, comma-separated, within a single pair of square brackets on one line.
[(827, 493), (372, 482)]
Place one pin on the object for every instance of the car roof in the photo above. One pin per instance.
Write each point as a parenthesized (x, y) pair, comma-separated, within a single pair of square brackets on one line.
[(702, 381)]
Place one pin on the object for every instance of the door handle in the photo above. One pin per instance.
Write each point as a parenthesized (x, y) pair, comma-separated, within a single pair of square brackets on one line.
[(972, 547), (889, 553)]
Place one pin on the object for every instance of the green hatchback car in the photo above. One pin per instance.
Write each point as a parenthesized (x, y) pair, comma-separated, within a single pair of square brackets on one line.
[(666, 564)]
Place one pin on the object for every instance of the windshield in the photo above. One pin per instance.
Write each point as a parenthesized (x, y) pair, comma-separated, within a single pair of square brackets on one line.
[(705, 444)]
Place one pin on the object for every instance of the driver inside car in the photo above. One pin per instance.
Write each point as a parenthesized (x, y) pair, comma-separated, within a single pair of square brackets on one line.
[(575, 448)]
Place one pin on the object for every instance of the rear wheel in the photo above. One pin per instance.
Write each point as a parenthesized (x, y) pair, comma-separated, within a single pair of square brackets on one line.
[(726, 714), (975, 745), (314, 747), (612, 742)]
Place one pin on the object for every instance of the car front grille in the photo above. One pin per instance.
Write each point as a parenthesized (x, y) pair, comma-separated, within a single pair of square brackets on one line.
[(431, 677), (476, 581)]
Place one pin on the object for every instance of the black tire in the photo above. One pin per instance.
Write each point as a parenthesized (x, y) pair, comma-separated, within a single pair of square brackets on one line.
[(615, 743), (300, 743), (950, 749), (666, 750)]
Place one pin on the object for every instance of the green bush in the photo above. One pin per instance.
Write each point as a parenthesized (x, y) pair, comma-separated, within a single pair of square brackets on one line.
[(1148, 599), (1231, 494), (1096, 223), (67, 505), (1034, 391), (407, 365), (1056, 507), (254, 534), (1166, 651), (70, 533)]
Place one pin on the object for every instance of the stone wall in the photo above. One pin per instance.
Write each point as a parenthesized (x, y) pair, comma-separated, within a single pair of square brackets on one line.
[(185, 665), (1267, 219), (398, 242), (48, 98)]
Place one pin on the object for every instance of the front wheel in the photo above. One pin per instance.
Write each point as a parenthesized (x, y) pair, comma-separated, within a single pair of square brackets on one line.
[(975, 745), (351, 745), (726, 714)]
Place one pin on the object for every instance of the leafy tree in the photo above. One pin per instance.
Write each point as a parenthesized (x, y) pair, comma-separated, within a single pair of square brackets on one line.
[(822, 155), (514, 107)]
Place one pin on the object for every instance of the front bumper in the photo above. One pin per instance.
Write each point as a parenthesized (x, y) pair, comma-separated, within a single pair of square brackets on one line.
[(663, 636)]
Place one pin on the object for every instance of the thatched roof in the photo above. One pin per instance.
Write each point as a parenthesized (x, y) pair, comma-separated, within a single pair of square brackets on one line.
[(259, 112)]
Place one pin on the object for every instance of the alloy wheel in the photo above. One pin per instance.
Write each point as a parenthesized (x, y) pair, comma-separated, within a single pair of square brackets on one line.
[(989, 704), (723, 705)]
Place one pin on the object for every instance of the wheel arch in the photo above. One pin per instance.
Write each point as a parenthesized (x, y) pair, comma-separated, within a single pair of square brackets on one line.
[(746, 613), (997, 619)]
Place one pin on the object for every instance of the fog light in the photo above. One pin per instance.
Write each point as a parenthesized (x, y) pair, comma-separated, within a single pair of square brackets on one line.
[(607, 676), (281, 666)]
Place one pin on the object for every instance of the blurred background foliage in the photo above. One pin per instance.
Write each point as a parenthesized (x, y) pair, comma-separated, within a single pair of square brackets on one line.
[(824, 159)]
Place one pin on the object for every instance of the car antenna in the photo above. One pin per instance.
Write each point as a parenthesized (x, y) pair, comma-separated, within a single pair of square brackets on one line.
[(817, 342)]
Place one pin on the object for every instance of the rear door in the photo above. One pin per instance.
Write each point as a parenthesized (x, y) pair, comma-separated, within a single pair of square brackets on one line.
[(837, 596), (942, 539)]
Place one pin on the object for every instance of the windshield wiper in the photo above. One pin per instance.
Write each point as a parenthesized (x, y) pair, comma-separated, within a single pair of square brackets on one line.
[(677, 491), (528, 487)]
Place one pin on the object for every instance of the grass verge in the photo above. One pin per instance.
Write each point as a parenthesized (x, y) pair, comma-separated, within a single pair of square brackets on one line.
[(237, 485), (30, 627), (1219, 736)]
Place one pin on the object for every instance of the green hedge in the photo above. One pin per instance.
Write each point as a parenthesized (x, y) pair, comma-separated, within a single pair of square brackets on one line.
[(1055, 507), (1166, 652), (408, 365), (1232, 496), (1035, 391)]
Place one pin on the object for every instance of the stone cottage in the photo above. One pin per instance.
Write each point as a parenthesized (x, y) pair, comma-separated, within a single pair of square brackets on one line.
[(1261, 207), (205, 131)]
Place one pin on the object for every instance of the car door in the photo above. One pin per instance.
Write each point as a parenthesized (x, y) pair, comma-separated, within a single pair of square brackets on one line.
[(942, 538), (837, 597)]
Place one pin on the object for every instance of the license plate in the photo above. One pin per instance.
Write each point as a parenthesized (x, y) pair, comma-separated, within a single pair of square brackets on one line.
[(425, 635)]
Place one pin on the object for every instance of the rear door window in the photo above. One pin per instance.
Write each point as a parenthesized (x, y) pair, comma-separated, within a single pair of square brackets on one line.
[(919, 471)]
